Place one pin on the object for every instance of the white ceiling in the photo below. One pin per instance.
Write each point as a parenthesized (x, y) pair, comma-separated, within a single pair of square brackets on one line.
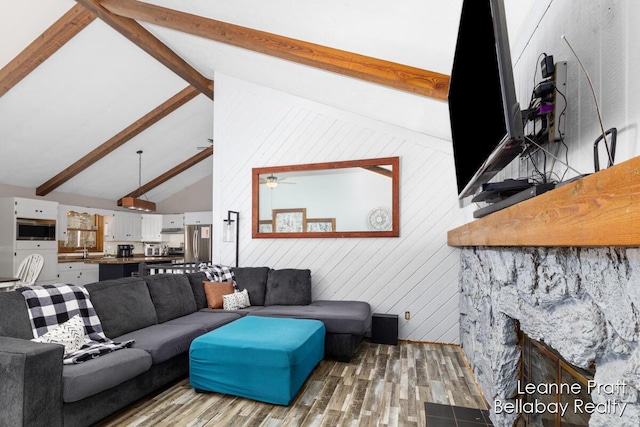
[(99, 83)]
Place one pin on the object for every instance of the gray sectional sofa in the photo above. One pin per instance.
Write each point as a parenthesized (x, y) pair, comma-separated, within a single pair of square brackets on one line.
[(163, 313)]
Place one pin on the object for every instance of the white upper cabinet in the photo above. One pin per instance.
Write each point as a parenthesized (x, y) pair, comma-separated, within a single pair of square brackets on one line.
[(172, 221), (197, 218), (123, 227), (128, 227), (151, 228), (36, 209)]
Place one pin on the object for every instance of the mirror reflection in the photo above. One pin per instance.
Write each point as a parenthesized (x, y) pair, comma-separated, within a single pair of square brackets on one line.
[(339, 199)]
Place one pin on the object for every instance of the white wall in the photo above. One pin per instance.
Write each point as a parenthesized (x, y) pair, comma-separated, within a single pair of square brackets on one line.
[(255, 127)]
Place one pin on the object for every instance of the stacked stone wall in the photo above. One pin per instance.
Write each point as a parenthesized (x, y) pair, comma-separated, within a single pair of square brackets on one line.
[(582, 302)]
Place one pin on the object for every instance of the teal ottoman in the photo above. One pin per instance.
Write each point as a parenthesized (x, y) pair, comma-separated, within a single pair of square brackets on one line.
[(260, 358)]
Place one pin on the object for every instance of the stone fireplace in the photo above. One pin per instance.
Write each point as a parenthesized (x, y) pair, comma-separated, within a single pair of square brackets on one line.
[(582, 302)]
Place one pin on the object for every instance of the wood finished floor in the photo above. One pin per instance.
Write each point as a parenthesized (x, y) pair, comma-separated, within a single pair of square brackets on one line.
[(383, 385)]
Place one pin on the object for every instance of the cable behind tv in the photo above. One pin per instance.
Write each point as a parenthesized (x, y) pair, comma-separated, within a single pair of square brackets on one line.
[(595, 99), (551, 154)]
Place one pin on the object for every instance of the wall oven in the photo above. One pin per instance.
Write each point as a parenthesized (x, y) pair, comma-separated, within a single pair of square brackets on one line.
[(35, 229)]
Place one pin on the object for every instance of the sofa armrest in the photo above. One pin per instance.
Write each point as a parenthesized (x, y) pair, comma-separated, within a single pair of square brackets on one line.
[(31, 378)]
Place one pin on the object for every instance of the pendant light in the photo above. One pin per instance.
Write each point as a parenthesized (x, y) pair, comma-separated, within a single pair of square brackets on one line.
[(135, 203)]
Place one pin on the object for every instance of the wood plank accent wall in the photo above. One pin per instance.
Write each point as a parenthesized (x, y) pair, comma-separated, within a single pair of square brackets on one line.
[(602, 209), (417, 272)]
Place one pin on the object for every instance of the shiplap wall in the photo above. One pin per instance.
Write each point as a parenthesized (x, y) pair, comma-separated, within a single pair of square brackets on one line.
[(255, 126)]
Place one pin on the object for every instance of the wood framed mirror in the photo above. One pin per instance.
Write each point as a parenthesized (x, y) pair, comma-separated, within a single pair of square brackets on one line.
[(356, 198)]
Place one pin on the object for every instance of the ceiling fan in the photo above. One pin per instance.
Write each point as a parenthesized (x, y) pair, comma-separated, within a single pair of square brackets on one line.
[(273, 181), (204, 147)]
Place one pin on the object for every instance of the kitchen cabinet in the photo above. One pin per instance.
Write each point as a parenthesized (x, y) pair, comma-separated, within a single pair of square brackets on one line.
[(90, 273), (128, 227), (49, 252), (78, 229), (77, 273), (123, 227), (70, 273), (37, 209), (173, 221), (198, 218), (14, 251), (61, 226), (151, 227)]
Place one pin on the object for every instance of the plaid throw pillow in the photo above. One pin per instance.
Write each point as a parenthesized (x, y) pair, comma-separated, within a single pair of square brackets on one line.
[(218, 273)]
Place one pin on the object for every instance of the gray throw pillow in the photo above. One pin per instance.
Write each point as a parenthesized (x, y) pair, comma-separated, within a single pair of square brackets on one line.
[(254, 280), (288, 287), (123, 305), (171, 295)]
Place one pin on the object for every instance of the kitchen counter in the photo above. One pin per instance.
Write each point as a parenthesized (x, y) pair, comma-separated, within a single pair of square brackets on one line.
[(115, 268), (99, 259), (132, 260)]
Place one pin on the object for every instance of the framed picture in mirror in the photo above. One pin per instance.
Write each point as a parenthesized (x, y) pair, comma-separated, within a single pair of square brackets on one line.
[(315, 225), (290, 220)]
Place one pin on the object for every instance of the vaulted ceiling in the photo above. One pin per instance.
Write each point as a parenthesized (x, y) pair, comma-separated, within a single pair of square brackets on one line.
[(84, 85)]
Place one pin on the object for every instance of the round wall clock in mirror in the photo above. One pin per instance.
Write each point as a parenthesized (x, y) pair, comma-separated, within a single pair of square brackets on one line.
[(379, 219)]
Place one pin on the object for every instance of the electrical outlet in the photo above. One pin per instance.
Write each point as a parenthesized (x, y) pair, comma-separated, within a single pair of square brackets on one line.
[(407, 315)]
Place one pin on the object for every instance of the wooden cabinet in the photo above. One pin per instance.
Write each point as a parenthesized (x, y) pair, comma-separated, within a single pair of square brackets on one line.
[(78, 228), (151, 228), (197, 218)]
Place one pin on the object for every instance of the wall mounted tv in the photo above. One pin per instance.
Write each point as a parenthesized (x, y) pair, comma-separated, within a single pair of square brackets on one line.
[(486, 122)]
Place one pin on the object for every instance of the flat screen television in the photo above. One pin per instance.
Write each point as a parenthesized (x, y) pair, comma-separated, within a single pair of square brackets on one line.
[(486, 121)]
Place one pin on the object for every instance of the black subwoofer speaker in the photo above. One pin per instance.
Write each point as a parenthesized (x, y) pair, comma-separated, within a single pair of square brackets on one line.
[(384, 329)]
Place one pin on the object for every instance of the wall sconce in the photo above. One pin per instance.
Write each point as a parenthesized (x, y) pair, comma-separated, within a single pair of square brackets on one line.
[(228, 232)]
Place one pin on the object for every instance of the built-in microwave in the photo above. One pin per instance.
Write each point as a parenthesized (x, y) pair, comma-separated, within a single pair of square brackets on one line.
[(35, 229)]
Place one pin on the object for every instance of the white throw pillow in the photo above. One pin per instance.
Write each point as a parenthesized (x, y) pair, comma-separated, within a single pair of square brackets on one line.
[(70, 334), (236, 300)]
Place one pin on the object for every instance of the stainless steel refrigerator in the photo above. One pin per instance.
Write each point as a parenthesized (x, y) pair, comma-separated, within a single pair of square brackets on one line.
[(197, 243)]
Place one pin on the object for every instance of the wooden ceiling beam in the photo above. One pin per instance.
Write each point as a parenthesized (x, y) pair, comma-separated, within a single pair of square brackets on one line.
[(204, 154), (379, 170), (137, 34), (118, 140), (398, 76), (52, 39)]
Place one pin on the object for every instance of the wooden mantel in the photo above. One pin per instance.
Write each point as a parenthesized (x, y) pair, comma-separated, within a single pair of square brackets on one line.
[(602, 209)]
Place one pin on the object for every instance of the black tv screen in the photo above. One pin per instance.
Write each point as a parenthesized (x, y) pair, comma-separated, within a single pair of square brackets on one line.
[(486, 122)]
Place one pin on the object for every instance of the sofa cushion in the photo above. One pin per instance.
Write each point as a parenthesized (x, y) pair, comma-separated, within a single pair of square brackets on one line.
[(254, 280), (123, 305), (339, 317), (288, 287), (207, 320), (195, 280), (164, 341), (171, 295), (215, 291), (86, 379)]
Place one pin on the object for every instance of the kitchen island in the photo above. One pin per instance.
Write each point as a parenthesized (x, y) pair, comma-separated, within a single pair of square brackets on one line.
[(115, 268)]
